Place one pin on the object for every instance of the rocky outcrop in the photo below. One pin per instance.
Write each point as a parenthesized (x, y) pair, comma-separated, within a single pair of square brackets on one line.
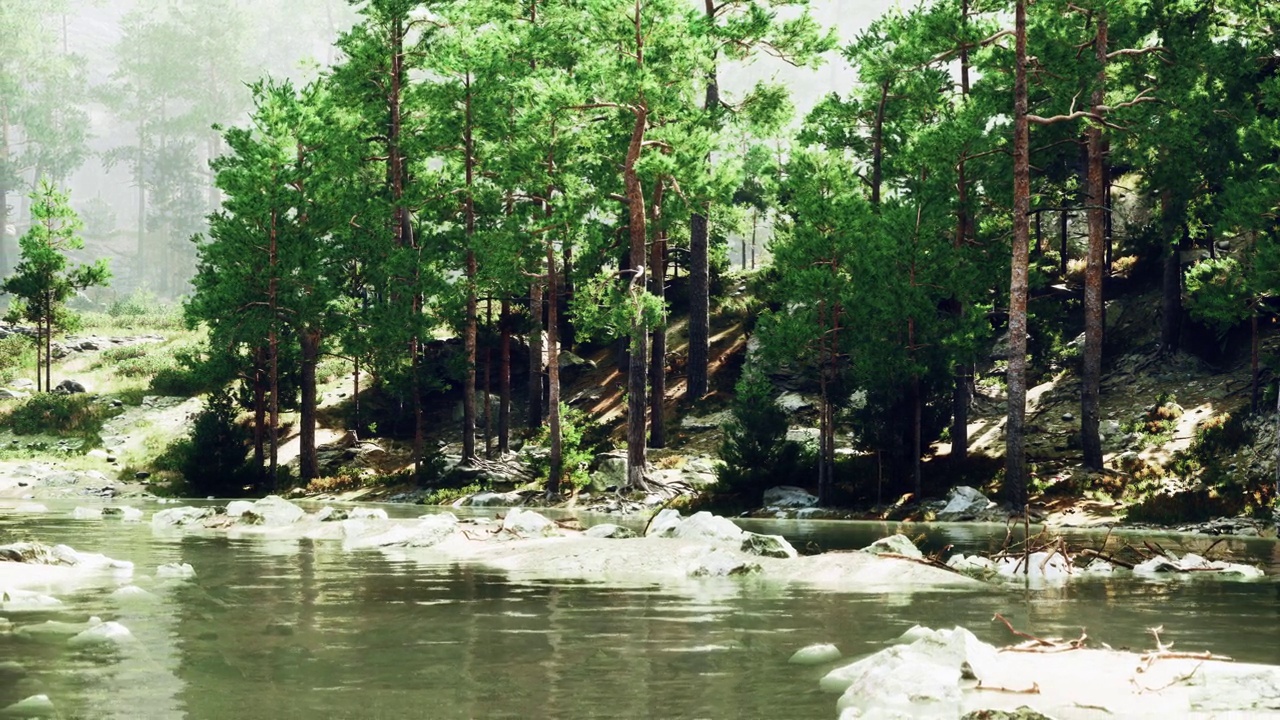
[(272, 511), (787, 496), (964, 503), (181, 517), (370, 534)]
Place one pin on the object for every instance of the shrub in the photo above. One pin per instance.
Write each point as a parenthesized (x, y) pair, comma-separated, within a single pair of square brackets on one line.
[(16, 353), (579, 438), (77, 415), (213, 462), (754, 443)]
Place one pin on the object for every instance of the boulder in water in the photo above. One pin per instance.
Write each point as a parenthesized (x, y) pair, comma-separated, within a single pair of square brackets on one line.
[(427, 531), (767, 545), (707, 527), (107, 633), (272, 511), (609, 530), (180, 517), (787, 496), (964, 503), (526, 523), (894, 545), (361, 513), (172, 571), (36, 706), (817, 654)]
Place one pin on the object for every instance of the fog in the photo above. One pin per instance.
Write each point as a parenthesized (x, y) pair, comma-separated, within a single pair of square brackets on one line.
[(116, 101)]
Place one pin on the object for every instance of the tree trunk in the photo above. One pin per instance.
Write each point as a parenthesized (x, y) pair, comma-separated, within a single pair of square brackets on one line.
[(469, 337), (698, 366), (259, 408), (504, 381), (1015, 440), (1254, 393), (1091, 380), (556, 472), (1065, 250), (877, 144), (308, 465), (535, 356), (658, 359), (917, 440), (1171, 281), (637, 367), (273, 437)]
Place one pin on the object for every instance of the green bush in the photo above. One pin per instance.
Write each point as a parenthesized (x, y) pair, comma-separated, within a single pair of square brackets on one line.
[(213, 459), (77, 415), (579, 442), (754, 451), (16, 354)]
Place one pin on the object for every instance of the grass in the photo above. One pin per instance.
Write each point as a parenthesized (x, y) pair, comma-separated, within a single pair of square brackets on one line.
[(60, 416)]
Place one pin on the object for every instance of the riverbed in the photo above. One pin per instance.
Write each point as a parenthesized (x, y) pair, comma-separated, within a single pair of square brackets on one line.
[(272, 628)]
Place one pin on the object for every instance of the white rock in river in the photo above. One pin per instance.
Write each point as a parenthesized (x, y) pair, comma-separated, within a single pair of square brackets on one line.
[(181, 571), (32, 707), (1042, 567), (26, 601), (609, 530), (124, 512), (361, 513), (527, 523), (107, 633), (721, 563), (31, 508), (964, 503), (427, 531), (815, 654), (272, 511), (1192, 563), (236, 508), (86, 513), (180, 516), (767, 545), (894, 545), (705, 526), (131, 594), (56, 628), (664, 523)]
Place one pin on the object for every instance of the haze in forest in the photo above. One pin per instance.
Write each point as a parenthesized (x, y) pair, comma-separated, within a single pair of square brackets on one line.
[(147, 80)]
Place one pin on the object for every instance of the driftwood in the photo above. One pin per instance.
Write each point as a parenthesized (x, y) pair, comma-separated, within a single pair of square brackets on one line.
[(1038, 644)]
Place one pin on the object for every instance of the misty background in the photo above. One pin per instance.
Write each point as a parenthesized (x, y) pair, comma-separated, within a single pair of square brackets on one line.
[(117, 101)]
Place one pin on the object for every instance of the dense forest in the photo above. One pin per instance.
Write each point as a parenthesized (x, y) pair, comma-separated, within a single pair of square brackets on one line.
[(532, 177)]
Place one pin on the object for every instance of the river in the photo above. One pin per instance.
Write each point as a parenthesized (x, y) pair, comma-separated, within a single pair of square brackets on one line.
[(300, 629)]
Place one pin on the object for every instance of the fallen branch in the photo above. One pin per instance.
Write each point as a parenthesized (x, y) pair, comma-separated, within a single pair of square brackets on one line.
[(1033, 690), (1089, 552), (1039, 644), (1180, 679)]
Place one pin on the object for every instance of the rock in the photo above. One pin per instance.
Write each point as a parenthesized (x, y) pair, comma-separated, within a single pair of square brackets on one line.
[(1040, 567), (56, 629), (803, 435), (971, 565), (22, 384), (26, 601), (768, 546), (84, 513), (32, 508), (1068, 417), (369, 534), (707, 527), (894, 545), (788, 496), (329, 513), (32, 707), (710, 422), (141, 475), (236, 508), (108, 633), (664, 524), (272, 511), (920, 679), (68, 387), (795, 402), (1196, 566), (124, 512), (361, 513), (177, 571), (526, 523), (609, 530), (1022, 713), (610, 471), (815, 655), (180, 517), (493, 499), (8, 394), (721, 563), (963, 503), (131, 594)]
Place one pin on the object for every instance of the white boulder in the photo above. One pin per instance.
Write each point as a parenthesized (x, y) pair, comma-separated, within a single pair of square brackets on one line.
[(816, 654), (86, 513), (272, 511), (32, 707), (107, 633), (362, 513), (664, 523), (707, 527), (964, 503), (527, 523), (236, 508), (898, 544), (609, 530), (427, 531), (131, 594), (180, 517)]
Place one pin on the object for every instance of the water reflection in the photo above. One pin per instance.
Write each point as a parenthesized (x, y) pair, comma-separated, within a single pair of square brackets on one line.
[(300, 629)]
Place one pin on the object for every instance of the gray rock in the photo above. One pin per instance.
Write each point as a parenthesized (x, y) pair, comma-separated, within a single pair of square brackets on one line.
[(609, 530), (22, 384), (610, 471), (795, 402), (427, 531), (788, 496), (35, 706), (236, 508), (175, 571), (272, 511), (894, 545), (803, 435), (493, 499), (8, 394), (964, 503), (710, 422), (362, 513), (664, 524), (707, 527), (69, 387), (181, 516), (1022, 713), (526, 523), (768, 546), (721, 563), (108, 633)]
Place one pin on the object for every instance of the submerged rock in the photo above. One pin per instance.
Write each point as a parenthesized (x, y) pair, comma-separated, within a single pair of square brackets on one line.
[(817, 654), (107, 633), (32, 707), (367, 514), (56, 629), (975, 565), (170, 571), (894, 545), (85, 513), (131, 594), (123, 512), (64, 555)]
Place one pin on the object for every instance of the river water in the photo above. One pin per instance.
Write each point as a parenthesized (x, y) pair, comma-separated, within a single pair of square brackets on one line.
[(300, 629)]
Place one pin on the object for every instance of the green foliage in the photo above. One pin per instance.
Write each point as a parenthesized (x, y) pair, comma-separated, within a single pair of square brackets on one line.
[(580, 440), (1217, 294), (755, 447), (447, 496), (78, 415), (212, 459), (16, 353)]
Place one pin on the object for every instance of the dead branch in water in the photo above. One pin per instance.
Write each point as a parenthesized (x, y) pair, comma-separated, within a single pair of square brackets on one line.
[(1033, 690)]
